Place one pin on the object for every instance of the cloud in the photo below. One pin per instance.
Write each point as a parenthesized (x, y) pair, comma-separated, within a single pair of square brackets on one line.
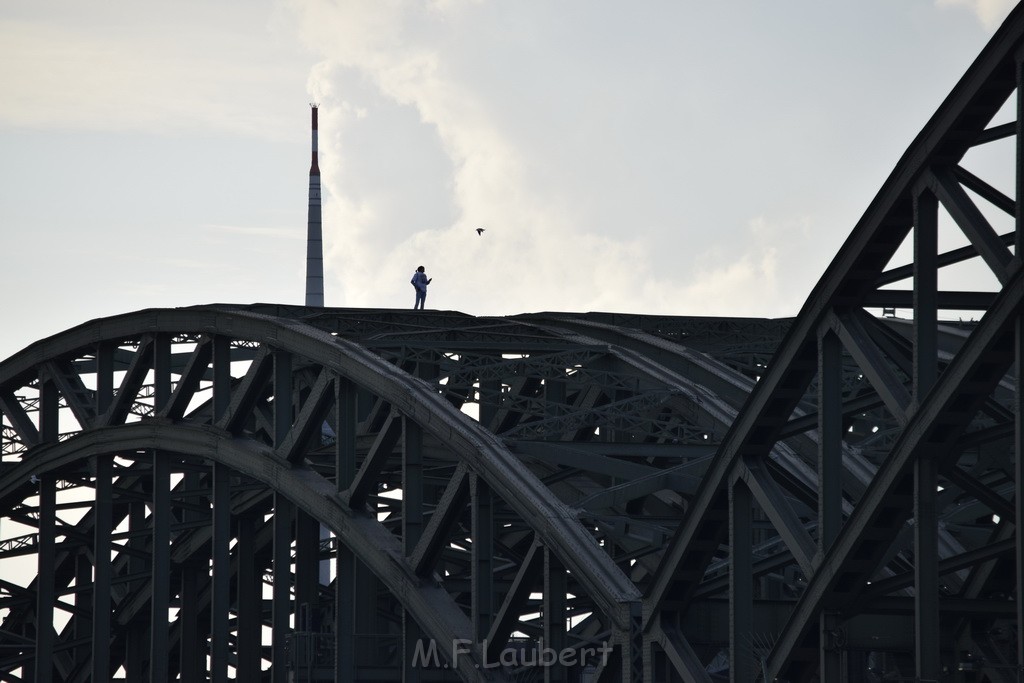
[(615, 164), (391, 95), (989, 12), (755, 274)]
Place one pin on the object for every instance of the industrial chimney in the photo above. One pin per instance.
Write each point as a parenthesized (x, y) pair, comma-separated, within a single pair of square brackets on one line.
[(314, 235)]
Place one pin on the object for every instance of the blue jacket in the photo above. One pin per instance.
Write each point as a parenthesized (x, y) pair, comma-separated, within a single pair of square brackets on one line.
[(419, 281)]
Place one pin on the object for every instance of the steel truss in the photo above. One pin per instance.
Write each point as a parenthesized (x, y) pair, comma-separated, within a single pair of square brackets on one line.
[(284, 493)]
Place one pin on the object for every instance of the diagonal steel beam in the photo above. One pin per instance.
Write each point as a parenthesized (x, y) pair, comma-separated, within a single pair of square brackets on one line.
[(985, 191), (880, 374), (947, 258), (677, 479), (19, 419), (530, 572), (311, 417), (785, 520), (195, 369), (881, 589), (581, 456), (365, 481), (451, 506), (686, 662), (131, 383), (972, 222), (79, 398), (985, 494), (248, 391)]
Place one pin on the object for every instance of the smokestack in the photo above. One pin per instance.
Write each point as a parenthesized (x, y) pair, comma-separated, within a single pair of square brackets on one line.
[(314, 235)]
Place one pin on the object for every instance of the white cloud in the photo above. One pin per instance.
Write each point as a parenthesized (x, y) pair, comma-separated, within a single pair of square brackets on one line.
[(535, 253), (989, 12), (755, 274), (569, 194)]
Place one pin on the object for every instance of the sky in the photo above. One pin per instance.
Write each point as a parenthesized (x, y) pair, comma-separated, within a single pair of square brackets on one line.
[(664, 157)]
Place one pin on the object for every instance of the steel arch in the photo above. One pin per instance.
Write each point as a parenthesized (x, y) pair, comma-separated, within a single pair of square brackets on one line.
[(554, 523), (941, 405), (439, 616)]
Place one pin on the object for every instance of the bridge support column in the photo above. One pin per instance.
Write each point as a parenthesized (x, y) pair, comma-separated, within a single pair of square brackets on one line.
[(554, 614), (741, 588), (412, 529), (102, 529), (926, 523), (136, 636), (281, 601), (192, 640), (347, 423), (160, 571), (831, 648), (220, 601), (45, 594), (249, 598), (483, 556), (830, 439)]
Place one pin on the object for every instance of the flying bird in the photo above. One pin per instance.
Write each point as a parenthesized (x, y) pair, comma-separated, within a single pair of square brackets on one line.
[(479, 231)]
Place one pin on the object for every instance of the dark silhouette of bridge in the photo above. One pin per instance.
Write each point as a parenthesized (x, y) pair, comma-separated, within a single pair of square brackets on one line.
[(833, 497)]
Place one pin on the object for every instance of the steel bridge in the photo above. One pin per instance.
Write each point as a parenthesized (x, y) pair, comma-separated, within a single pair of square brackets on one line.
[(282, 493)]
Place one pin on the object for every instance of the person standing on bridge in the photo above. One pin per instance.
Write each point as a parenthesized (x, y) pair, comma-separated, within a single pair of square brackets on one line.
[(420, 282)]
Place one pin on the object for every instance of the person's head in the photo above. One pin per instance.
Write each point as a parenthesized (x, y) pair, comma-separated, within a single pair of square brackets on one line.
[(420, 269)]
